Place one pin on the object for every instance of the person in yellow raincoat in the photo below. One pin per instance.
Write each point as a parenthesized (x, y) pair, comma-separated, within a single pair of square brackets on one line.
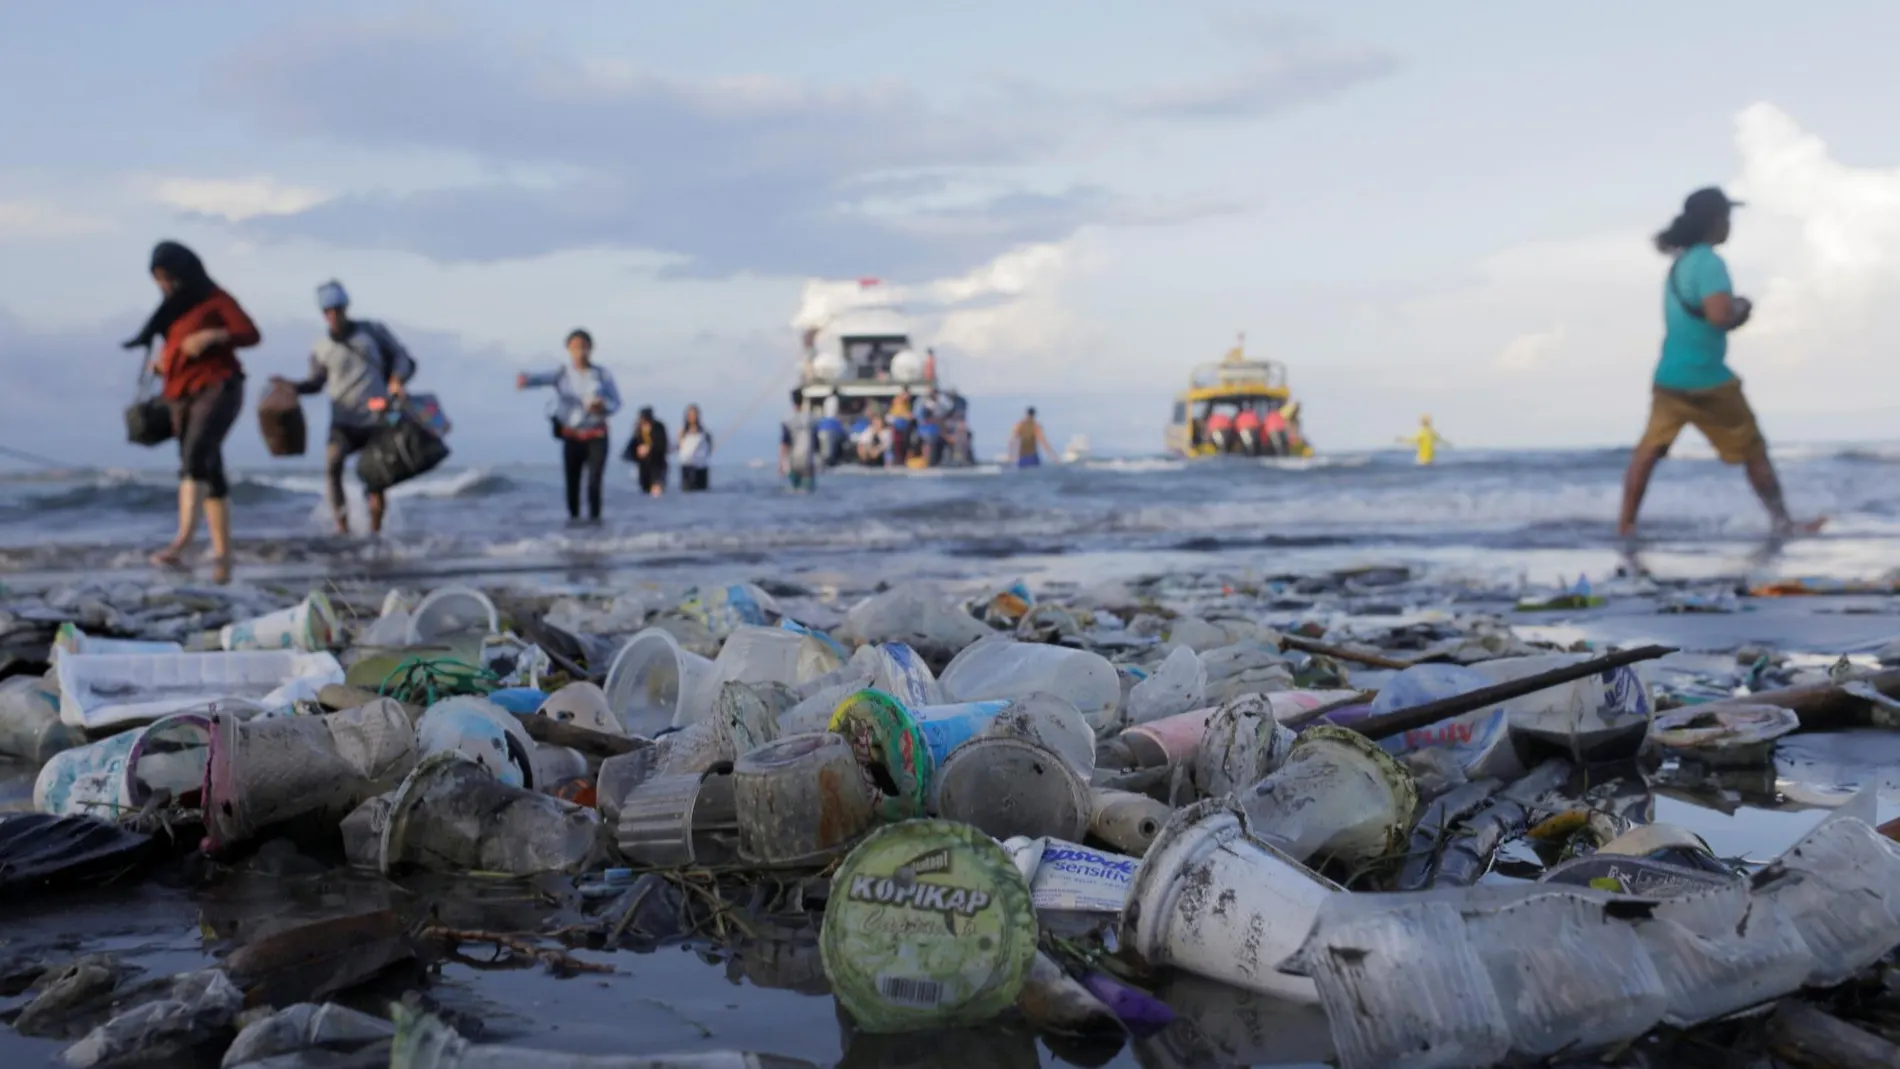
[(1426, 441)]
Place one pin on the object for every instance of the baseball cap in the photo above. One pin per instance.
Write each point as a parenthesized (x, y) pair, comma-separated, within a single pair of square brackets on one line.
[(1709, 201)]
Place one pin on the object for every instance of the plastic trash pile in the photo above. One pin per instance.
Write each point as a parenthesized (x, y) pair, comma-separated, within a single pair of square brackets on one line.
[(1116, 816)]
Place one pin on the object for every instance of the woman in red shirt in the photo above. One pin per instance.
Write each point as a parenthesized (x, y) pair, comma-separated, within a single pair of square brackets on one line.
[(202, 328)]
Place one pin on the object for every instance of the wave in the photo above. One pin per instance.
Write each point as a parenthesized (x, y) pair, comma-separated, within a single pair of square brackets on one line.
[(469, 482)]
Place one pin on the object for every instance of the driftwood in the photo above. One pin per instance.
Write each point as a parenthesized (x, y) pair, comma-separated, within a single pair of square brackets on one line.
[(574, 737), (1342, 653), (1805, 1036), (1821, 706)]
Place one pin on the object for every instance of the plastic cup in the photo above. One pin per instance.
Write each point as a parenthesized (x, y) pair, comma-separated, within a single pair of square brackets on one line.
[(451, 815), (451, 612), (1338, 795), (310, 625), (1001, 669), (1213, 900), (654, 683)]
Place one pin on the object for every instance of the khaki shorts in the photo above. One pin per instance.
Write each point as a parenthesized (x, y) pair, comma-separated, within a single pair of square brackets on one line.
[(1721, 414)]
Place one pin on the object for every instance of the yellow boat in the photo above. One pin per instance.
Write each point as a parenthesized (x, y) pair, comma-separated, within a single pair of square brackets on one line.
[(1237, 405)]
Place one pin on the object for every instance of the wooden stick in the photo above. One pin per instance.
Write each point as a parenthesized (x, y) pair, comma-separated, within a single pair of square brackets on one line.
[(1341, 653), (1821, 706), (1419, 716), (573, 736)]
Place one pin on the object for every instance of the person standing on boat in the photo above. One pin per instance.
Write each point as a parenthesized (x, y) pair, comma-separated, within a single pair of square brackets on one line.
[(832, 435), (647, 450), (1024, 440), (584, 398), (201, 328), (362, 366), (1693, 384), (798, 447), (1273, 430), (902, 423), (1220, 429), (1247, 430), (874, 447), (695, 452)]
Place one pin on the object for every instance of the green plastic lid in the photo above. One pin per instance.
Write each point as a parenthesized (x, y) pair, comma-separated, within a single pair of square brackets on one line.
[(886, 740), (929, 926)]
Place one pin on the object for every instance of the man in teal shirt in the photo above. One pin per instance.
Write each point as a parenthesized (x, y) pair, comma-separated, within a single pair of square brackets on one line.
[(1693, 384)]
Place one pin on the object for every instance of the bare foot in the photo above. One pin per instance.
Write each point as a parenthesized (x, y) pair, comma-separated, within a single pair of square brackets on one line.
[(170, 557), (1792, 528), (221, 570)]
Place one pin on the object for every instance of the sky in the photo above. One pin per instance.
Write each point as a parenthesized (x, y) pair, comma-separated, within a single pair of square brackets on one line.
[(1439, 208)]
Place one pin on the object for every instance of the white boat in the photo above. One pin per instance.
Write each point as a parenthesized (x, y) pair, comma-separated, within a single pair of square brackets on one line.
[(860, 359)]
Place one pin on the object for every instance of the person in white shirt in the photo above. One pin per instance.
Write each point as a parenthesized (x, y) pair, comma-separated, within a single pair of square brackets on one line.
[(694, 449)]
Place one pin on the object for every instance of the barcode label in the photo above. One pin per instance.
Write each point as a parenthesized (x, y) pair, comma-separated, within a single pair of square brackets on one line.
[(909, 991)]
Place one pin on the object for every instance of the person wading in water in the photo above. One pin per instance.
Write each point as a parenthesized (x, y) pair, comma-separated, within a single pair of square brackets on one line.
[(584, 397), (201, 328), (1693, 384)]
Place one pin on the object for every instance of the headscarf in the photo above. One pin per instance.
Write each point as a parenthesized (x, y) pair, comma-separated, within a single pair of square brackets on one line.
[(193, 288)]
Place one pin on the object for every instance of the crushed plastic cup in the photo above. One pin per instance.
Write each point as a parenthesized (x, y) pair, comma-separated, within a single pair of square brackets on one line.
[(754, 654), (1050, 721), (1242, 744), (723, 610), (1724, 735), (919, 617), (929, 926), (453, 815), (310, 625), (30, 727), (482, 731), (1179, 685), (1009, 787), (999, 668), (268, 771), (117, 775), (1250, 667), (743, 720), (1608, 713), (582, 704), (1127, 821), (390, 629), (813, 712), (1174, 740), (800, 800), (654, 683), (451, 612), (889, 744), (677, 821), (1337, 795), (899, 671), (1212, 899), (1071, 877)]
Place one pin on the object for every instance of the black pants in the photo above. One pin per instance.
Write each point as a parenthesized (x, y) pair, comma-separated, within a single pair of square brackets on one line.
[(693, 478), (652, 475), (345, 441), (201, 420), (589, 454)]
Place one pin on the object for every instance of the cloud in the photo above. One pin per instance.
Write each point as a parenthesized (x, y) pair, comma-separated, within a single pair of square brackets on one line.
[(724, 175), (235, 199), (1531, 352), (1830, 246), (1288, 64), (36, 220)]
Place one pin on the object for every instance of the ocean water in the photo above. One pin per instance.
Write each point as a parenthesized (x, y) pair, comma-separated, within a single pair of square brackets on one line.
[(1495, 515)]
